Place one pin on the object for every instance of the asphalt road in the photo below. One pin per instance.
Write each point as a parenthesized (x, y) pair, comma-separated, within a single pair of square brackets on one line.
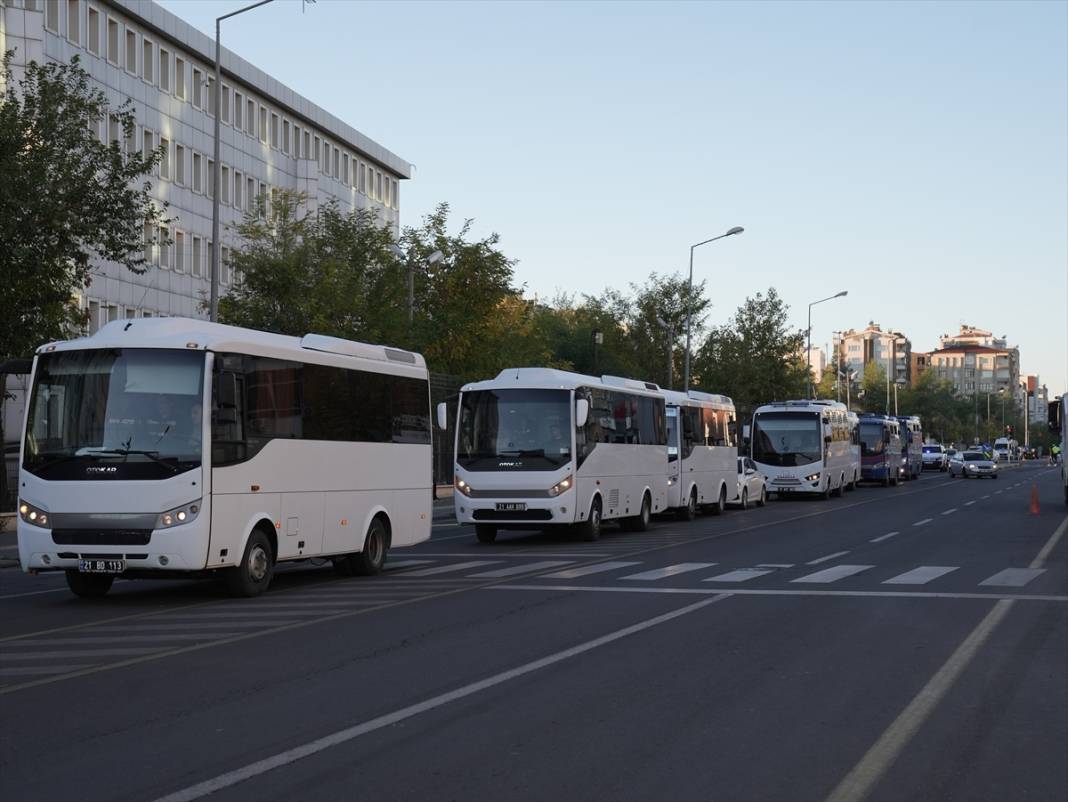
[(905, 643)]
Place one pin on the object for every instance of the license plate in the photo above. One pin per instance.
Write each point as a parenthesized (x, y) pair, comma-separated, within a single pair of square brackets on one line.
[(101, 566), (511, 506)]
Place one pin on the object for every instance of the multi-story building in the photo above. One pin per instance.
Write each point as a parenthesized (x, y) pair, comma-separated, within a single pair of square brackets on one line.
[(891, 350), (977, 362), (817, 362), (272, 140), (918, 364), (1037, 398)]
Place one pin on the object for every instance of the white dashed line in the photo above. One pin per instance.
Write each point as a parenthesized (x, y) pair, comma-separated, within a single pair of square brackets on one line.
[(775, 565), (825, 558), (887, 536), (950, 511), (924, 521), (968, 503)]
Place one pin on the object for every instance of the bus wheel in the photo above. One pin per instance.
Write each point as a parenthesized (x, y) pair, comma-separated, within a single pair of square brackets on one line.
[(89, 586), (590, 529), (721, 505), (485, 533), (370, 561), (640, 522), (837, 492), (689, 512), (253, 574)]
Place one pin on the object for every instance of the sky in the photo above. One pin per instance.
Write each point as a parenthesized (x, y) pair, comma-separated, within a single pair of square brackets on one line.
[(914, 154)]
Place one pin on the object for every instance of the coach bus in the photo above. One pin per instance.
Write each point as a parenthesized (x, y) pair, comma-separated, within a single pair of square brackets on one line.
[(880, 449), (540, 448), (702, 453), (806, 447), (159, 447), (911, 446)]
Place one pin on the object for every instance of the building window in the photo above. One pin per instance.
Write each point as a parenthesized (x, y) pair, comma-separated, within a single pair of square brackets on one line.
[(250, 193), (131, 52), (337, 164), (165, 161), (262, 200), (93, 32), (324, 167), (147, 143), (179, 165), (239, 190), (224, 180), (74, 21), (94, 317), (211, 178), (198, 97), (149, 232), (389, 195), (198, 179), (224, 266), (263, 124), (275, 139), (179, 78), (210, 86), (164, 247), (164, 70), (113, 41), (345, 169), (197, 268), (148, 64), (238, 109), (285, 137), (306, 150), (179, 252), (250, 118), (378, 186), (131, 313), (396, 196), (113, 129), (225, 104), (52, 15), (318, 150), (363, 178)]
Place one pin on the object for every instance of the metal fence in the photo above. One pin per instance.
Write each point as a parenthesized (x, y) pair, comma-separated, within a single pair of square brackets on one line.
[(444, 387)]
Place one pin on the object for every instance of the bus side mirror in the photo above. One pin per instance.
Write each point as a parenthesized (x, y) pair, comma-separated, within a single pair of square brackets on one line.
[(443, 416), (745, 432), (582, 412)]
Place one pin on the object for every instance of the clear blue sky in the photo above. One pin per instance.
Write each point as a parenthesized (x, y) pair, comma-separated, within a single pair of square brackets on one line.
[(915, 154)]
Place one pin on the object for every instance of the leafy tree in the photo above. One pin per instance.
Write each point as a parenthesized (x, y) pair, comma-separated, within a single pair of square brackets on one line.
[(656, 326), (873, 389), (569, 328), (756, 357), (66, 199)]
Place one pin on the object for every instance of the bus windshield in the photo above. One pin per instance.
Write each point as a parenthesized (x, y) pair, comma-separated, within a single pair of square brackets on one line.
[(871, 439), (787, 438), (115, 414), (672, 429), (514, 429)]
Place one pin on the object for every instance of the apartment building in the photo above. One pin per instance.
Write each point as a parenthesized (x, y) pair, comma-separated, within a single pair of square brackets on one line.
[(272, 140), (891, 350), (976, 361)]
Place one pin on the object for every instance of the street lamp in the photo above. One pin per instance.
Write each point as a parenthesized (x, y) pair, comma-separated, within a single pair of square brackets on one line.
[(689, 302), (808, 354), (670, 332), (434, 258), (216, 246)]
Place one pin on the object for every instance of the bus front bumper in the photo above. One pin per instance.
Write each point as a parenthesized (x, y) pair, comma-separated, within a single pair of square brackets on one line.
[(516, 513)]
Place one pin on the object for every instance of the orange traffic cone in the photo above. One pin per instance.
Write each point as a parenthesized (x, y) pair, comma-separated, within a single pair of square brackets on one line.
[(1034, 500)]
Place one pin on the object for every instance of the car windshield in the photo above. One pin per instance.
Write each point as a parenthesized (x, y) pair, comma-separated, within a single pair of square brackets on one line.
[(115, 414), (514, 429), (871, 439), (974, 456), (932, 449), (787, 438)]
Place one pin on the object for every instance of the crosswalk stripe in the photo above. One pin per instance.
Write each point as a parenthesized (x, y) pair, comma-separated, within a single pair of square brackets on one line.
[(518, 569), (586, 570), (446, 569), (921, 575), (26, 671), (1013, 577), (832, 574), (741, 575), (670, 570), (393, 566)]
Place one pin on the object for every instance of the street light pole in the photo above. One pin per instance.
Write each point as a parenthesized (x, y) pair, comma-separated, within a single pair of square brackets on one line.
[(216, 246), (670, 332), (808, 354), (434, 258), (689, 303)]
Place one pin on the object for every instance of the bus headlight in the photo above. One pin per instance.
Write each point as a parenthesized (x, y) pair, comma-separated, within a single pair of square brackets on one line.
[(562, 486), (812, 477), (33, 515), (179, 515), (463, 486)]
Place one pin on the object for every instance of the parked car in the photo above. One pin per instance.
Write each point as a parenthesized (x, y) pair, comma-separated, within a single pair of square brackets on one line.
[(934, 456), (752, 484), (973, 464)]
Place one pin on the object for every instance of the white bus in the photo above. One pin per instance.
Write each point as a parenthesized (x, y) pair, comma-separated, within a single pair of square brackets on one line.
[(806, 447), (172, 446), (702, 453), (537, 448)]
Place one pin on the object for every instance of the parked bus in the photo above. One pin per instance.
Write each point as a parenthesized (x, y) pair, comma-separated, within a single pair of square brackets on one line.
[(539, 448), (880, 449), (1057, 413), (911, 446), (806, 447), (702, 453), (169, 446)]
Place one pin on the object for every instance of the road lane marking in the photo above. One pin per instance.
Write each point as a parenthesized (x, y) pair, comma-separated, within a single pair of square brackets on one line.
[(445, 569), (881, 538), (921, 575), (586, 570), (832, 574), (517, 569), (924, 521), (1013, 577), (950, 511), (289, 756), (279, 622), (500, 551), (29, 671), (775, 565), (986, 496), (670, 570), (997, 492), (741, 575), (736, 591), (393, 566), (969, 503), (827, 557), (92, 641), (8, 656)]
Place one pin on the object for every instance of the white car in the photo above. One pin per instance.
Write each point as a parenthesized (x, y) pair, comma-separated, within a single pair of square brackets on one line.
[(934, 456), (752, 485)]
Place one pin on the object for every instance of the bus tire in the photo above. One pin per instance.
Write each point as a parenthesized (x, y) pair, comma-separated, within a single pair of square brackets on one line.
[(372, 558), (838, 491), (590, 529), (89, 586), (721, 504), (689, 512), (640, 522), (486, 533), (253, 574)]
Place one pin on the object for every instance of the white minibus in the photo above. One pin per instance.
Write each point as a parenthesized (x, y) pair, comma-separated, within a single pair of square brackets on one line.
[(702, 453)]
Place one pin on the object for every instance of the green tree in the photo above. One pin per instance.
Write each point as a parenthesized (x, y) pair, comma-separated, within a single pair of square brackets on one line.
[(756, 357), (873, 389), (656, 326), (66, 199)]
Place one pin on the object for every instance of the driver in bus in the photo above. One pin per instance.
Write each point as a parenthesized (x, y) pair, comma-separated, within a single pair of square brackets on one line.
[(557, 443)]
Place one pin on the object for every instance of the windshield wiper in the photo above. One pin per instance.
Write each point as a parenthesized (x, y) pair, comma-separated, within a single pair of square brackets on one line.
[(533, 452), (126, 452)]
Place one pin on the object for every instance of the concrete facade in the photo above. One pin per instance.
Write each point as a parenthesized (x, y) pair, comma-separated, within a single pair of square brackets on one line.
[(976, 361), (272, 140), (889, 349)]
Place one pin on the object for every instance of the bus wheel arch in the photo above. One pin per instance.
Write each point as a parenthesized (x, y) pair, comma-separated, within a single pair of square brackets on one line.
[(590, 529), (688, 511), (253, 572), (721, 501)]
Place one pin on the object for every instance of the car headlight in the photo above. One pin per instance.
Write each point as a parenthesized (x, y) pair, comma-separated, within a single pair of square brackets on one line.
[(187, 513), (812, 477), (971, 467), (462, 486), (560, 487), (33, 515)]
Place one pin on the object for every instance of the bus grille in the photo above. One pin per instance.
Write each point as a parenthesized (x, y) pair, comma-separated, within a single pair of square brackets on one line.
[(513, 515), (101, 537)]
